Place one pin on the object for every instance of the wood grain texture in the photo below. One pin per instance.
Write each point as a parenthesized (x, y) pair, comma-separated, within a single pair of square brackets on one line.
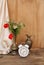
[(41, 23), (36, 57), (12, 9), (31, 13)]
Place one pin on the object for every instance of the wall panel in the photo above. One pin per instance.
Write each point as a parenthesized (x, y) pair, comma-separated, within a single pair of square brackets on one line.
[(31, 13)]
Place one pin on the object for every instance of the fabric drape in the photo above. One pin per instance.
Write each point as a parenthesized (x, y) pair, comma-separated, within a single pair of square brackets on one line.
[(5, 42)]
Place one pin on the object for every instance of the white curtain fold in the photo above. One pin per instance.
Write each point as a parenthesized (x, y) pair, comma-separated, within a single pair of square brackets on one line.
[(5, 42)]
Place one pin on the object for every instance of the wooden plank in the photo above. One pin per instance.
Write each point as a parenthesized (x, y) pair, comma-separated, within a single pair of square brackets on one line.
[(27, 14), (41, 23), (12, 9)]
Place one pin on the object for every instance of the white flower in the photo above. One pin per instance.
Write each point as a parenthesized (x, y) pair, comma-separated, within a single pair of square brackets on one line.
[(15, 26), (21, 24)]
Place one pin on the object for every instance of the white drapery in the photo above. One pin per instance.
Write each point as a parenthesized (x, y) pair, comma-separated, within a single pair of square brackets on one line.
[(5, 42)]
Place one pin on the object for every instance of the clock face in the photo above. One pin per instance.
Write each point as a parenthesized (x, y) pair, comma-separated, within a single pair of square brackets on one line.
[(23, 51)]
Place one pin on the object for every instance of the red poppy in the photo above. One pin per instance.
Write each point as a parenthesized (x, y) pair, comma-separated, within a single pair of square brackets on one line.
[(10, 36), (6, 25)]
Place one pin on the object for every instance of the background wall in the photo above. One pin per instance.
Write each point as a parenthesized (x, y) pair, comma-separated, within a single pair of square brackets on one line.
[(31, 13)]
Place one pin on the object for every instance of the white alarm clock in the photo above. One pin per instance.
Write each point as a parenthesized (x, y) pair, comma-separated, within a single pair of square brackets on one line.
[(23, 50)]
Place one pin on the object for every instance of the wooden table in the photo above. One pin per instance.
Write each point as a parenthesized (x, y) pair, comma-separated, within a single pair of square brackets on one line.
[(36, 57)]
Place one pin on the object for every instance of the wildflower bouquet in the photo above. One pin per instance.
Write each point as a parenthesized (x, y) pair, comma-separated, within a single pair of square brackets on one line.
[(15, 29)]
